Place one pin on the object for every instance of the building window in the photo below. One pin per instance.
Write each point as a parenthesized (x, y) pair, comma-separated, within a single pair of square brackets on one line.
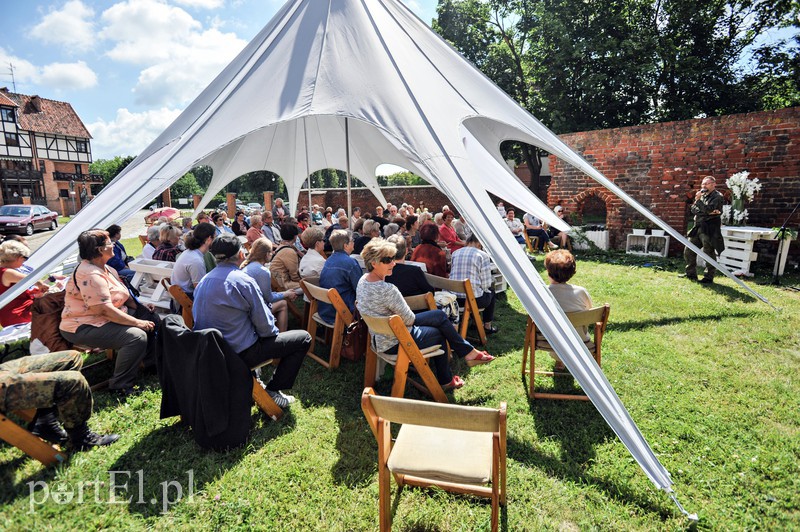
[(12, 139), (81, 146), (63, 193), (41, 166), (79, 169), (7, 115)]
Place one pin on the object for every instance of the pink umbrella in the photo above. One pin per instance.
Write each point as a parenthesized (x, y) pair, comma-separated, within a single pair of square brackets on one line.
[(169, 212)]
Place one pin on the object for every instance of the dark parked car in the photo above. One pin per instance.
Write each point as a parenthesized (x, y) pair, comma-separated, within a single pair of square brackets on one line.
[(25, 219)]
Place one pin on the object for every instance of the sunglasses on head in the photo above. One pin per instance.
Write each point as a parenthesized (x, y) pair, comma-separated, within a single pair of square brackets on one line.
[(387, 260)]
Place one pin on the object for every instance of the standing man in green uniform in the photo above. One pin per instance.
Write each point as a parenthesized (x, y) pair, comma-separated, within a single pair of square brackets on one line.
[(707, 230)]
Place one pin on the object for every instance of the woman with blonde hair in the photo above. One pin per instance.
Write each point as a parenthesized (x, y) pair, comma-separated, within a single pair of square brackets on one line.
[(255, 266), (378, 298), (18, 311)]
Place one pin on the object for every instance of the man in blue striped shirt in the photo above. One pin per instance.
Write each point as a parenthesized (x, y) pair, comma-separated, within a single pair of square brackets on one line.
[(471, 262)]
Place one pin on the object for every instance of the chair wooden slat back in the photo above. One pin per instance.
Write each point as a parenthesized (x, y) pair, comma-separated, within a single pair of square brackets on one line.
[(424, 425), (471, 310), (408, 354), (183, 300), (421, 302), (316, 294), (534, 340)]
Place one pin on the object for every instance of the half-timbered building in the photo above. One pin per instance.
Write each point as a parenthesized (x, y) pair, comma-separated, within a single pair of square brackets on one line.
[(45, 152)]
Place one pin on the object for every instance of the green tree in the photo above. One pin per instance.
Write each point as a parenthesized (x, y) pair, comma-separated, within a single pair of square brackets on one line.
[(185, 187), (110, 168)]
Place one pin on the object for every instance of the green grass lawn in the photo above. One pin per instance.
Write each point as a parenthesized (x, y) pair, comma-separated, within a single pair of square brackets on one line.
[(710, 376)]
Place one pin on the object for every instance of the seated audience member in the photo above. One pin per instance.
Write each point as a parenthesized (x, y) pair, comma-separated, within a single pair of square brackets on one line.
[(471, 262), (120, 259), (358, 227), (271, 229), (219, 223), (378, 298), (285, 265), (371, 229), (355, 217), (190, 266), (515, 226), (561, 267), (392, 211), (555, 233), (501, 209), (424, 217), (409, 279), (316, 215), (327, 218), (255, 266), (17, 311), (312, 262), (54, 385), (429, 251), (437, 218), (279, 211), (254, 233), (391, 229), (341, 223), (535, 227), (342, 272), (411, 232), (302, 221), (378, 217), (462, 228), (100, 312), (229, 300), (202, 218), (152, 242), (186, 225), (239, 225), (448, 234), (169, 236)]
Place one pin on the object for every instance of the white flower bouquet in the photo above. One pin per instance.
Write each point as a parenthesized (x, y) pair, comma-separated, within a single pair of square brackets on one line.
[(742, 190)]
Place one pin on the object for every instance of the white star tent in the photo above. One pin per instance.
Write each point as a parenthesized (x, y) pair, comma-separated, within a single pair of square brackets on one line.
[(407, 99)]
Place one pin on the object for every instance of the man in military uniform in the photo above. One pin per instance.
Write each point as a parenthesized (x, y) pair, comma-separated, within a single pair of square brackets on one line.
[(707, 230), (54, 385)]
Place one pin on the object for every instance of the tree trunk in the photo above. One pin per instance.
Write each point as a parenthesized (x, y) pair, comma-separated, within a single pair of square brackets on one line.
[(531, 156)]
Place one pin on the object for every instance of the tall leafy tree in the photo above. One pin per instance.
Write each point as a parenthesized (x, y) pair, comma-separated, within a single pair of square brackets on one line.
[(110, 168)]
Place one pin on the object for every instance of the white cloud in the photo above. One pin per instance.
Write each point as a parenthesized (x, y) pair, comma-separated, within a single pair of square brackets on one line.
[(71, 27), (68, 76), (178, 57), (55, 76), (145, 31), (189, 69), (129, 133), (201, 4)]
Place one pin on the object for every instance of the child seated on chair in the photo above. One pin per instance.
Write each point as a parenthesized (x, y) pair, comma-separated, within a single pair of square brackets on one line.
[(560, 265)]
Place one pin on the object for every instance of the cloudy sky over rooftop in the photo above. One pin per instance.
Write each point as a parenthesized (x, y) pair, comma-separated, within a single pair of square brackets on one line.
[(129, 67)]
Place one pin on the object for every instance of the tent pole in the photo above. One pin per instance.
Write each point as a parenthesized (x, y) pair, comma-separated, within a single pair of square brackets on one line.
[(347, 157), (308, 174)]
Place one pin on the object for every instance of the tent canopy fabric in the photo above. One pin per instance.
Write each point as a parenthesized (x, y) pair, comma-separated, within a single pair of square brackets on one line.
[(410, 100)]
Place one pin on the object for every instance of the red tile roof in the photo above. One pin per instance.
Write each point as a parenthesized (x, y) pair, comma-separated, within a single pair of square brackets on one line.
[(47, 116), (4, 100)]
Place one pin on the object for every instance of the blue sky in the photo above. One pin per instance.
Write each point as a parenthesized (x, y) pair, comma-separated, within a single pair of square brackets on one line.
[(129, 67)]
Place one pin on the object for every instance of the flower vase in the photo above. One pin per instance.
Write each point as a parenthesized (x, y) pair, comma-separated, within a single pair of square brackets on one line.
[(737, 205)]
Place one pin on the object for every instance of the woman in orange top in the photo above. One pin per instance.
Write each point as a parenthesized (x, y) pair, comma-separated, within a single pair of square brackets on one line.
[(99, 311), (429, 251)]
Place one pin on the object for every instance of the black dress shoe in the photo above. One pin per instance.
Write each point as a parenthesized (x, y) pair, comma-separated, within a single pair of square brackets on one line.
[(706, 280), (491, 330), (83, 438)]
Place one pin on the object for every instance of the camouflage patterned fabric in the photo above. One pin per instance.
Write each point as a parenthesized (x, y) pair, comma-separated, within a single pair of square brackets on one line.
[(41, 381)]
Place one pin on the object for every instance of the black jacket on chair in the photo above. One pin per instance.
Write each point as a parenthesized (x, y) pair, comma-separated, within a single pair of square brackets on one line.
[(205, 382)]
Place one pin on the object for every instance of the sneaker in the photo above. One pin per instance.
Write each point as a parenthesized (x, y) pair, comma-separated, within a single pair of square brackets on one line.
[(281, 399)]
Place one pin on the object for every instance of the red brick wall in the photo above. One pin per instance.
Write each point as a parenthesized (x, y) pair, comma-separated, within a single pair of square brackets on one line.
[(660, 165), (362, 197)]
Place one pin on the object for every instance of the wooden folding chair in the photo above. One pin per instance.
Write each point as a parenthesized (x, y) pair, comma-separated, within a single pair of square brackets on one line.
[(344, 317), (470, 309), (182, 299), (408, 353), (532, 242), (26, 442), (143, 240), (596, 317), (457, 448)]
